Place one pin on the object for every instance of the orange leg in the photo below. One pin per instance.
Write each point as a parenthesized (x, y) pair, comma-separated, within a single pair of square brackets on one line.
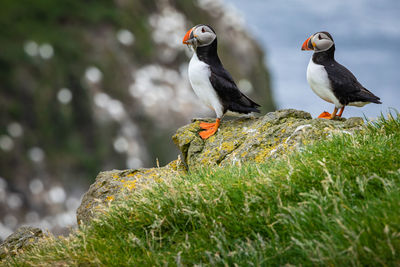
[(333, 115), (209, 128), (327, 115), (341, 112)]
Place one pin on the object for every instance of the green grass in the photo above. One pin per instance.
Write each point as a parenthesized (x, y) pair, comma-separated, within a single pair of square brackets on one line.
[(335, 203)]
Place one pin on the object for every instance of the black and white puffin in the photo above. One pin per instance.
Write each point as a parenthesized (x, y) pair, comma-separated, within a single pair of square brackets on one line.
[(211, 82), (331, 81)]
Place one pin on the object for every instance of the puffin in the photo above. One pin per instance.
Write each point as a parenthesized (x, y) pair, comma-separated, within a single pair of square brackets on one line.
[(211, 82), (332, 81)]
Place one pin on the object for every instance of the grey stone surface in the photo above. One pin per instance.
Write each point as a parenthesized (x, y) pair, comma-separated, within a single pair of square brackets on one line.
[(22, 238)]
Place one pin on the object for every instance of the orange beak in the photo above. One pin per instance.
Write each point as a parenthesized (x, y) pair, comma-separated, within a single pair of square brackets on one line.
[(187, 37), (307, 45)]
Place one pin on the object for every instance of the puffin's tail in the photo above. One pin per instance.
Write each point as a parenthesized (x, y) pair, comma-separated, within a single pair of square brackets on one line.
[(245, 105), (369, 97)]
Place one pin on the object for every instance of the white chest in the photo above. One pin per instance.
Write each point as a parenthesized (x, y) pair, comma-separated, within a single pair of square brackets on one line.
[(199, 77), (317, 78)]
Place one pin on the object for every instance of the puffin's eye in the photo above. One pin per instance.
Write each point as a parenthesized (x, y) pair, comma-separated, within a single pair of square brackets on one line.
[(203, 30), (319, 37)]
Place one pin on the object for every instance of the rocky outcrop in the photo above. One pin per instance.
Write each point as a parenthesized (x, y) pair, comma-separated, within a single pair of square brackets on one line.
[(112, 185), (257, 139), (238, 141), (20, 239)]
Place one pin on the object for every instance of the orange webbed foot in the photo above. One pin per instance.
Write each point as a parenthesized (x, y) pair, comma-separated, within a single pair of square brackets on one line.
[(207, 125), (325, 115), (208, 133), (209, 129)]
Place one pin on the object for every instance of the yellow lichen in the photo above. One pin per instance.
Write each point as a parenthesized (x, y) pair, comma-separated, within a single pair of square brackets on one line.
[(262, 155), (227, 146), (290, 123), (130, 185)]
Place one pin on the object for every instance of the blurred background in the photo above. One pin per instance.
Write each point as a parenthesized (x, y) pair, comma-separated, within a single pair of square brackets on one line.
[(87, 86)]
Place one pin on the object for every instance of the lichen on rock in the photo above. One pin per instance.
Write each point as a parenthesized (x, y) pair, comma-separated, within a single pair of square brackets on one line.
[(112, 185), (23, 237), (257, 139)]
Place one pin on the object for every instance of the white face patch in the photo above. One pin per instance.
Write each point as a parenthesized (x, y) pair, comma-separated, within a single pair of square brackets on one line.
[(204, 35), (322, 42)]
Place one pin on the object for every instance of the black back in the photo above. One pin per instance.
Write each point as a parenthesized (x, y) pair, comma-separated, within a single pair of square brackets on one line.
[(344, 84), (229, 94)]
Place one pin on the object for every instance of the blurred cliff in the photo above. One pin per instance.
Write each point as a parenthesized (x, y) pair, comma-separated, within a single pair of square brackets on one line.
[(87, 86)]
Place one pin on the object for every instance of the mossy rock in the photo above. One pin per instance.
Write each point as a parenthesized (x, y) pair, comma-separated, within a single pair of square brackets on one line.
[(257, 139), (112, 185), (22, 238)]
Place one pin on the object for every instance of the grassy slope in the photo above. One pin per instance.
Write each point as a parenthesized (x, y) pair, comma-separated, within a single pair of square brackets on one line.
[(335, 203)]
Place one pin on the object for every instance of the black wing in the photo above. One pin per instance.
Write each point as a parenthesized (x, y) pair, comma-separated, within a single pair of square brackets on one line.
[(231, 97), (346, 86)]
